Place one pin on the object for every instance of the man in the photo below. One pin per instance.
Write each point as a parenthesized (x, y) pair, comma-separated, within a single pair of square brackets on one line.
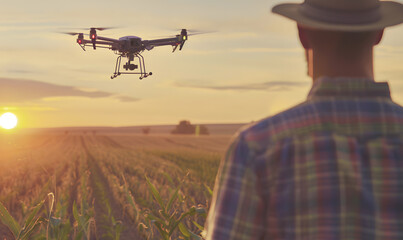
[(331, 167)]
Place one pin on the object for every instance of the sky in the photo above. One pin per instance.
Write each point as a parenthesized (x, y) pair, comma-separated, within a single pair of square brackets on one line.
[(248, 67)]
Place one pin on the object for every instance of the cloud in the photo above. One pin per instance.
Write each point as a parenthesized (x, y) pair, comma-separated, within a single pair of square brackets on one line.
[(20, 71), (126, 99), (20, 91), (265, 86)]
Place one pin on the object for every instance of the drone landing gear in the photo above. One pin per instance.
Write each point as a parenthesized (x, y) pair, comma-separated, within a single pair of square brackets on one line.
[(131, 67)]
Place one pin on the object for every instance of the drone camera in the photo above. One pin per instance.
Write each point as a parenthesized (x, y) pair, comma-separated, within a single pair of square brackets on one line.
[(130, 67)]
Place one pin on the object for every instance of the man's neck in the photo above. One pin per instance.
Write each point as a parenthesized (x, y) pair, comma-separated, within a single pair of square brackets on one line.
[(331, 64)]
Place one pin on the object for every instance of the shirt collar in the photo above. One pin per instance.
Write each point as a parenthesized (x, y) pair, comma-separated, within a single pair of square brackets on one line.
[(349, 87)]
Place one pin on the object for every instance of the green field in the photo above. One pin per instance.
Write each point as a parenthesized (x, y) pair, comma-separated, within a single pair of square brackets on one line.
[(102, 179)]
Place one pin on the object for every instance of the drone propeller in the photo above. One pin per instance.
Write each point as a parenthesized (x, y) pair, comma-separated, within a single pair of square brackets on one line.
[(73, 33), (194, 31), (189, 32), (105, 28), (199, 33), (98, 28), (70, 33)]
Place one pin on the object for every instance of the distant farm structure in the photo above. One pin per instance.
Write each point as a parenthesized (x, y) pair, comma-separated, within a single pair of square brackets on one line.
[(185, 127), (146, 130)]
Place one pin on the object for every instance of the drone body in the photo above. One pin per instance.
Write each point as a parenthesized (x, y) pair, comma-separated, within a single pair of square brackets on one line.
[(129, 47)]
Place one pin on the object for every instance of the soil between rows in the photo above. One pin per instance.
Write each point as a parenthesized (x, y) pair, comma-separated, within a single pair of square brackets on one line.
[(102, 197)]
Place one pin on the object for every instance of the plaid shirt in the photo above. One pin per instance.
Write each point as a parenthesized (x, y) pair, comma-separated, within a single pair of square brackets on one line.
[(329, 168)]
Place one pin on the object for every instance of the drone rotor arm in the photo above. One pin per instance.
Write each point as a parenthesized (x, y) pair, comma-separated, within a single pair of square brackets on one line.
[(176, 41), (106, 47), (163, 42), (102, 42), (98, 44), (108, 39), (85, 42)]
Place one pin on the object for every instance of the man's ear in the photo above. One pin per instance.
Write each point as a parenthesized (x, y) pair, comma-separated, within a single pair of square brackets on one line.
[(379, 37), (303, 37)]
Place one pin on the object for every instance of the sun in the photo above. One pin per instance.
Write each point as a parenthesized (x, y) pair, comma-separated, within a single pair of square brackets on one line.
[(8, 120)]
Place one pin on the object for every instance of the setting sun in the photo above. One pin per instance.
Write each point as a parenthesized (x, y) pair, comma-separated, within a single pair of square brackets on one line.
[(8, 120)]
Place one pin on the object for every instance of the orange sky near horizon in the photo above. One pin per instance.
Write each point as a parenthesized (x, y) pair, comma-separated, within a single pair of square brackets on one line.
[(250, 67)]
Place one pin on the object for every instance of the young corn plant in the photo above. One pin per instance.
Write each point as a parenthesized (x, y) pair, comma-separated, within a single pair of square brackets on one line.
[(58, 226), (168, 218), (31, 223), (115, 229), (136, 213), (85, 222)]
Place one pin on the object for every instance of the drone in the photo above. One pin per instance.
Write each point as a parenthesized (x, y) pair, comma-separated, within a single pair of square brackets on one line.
[(129, 47)]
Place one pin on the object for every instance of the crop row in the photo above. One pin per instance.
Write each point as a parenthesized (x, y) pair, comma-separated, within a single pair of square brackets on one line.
[(111, 187)]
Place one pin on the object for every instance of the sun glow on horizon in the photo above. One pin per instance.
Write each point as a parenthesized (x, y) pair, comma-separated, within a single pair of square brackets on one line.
[(8, 120)]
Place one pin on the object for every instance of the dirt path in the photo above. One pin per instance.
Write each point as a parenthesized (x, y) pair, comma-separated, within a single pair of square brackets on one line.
[(105, 206)]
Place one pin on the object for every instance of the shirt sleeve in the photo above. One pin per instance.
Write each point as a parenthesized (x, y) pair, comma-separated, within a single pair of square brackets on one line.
[(237, 210)]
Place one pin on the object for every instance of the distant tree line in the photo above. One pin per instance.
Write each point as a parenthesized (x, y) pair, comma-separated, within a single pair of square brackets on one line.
[(185, 127)]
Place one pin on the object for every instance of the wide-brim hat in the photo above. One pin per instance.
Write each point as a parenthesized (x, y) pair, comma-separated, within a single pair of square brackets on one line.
[(343, 15)]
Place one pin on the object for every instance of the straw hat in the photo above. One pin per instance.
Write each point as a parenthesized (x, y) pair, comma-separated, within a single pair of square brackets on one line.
[(343, 15)]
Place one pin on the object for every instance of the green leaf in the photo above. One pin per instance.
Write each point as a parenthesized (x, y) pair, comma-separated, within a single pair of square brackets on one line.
[(75, 213), (195, 236), (209, 190), (31, 221), (27, 232), (155, 193), (79, 219), (161, 231), (201, 228), (172, 199), (184, 230), (172, 217), (156, 219), (163, 213), (130, 199), (118, 229), (191, 211), (9, 221)]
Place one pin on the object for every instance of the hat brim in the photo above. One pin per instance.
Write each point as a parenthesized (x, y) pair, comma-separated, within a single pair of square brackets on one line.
[(391, 14)]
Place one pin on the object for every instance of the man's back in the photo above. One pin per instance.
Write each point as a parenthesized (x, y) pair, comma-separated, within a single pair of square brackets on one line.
[(329, 168)]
